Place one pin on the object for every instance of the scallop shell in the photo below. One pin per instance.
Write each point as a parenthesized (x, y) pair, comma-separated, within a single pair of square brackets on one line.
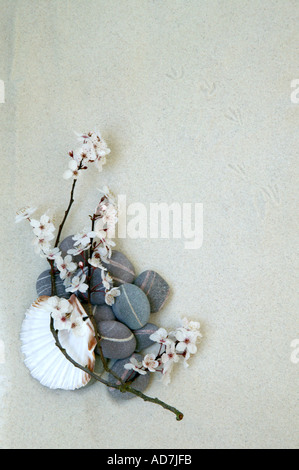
[(44, 359)]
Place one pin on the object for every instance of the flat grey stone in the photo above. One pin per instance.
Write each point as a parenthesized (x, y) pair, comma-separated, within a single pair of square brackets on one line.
[(44, 285), (143, 336), (131, 307), (103, 313), (120, 268), (117, 342), (155, 287)]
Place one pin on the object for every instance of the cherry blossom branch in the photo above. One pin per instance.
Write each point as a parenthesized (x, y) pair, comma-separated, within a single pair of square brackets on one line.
[(69, 207), (53, 282), (90, 256), (124, 387)]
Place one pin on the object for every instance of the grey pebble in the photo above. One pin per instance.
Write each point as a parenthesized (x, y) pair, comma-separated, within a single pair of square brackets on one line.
[(143, 336), (117, 342), (155, 287), (131, 307), (44, 285), (139, 382), (120, 268), (103, 313)]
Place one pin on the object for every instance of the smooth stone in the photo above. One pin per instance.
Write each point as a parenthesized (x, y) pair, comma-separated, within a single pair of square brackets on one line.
[(117, 341), (139, 382), (68, 244), (143, 336), (132, 307), (120, 268), (155, 287), (100, 312), (44, 285), (98, 297), (103, 313)]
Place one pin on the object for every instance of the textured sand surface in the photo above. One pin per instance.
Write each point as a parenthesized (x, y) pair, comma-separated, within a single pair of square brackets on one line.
[(194, 100)]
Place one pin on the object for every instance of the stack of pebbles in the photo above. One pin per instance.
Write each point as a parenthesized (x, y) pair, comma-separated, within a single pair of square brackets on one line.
[(125, 327)]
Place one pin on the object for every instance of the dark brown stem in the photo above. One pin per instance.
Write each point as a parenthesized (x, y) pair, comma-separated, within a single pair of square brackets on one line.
[(53, 281), (124, 387), (68, 209), (90, 256)]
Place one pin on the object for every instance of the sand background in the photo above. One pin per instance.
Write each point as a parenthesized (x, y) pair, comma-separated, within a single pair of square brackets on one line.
[(194, 99)]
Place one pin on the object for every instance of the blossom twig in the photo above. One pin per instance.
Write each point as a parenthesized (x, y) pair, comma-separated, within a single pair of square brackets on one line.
[(124, 387), (68, 209)]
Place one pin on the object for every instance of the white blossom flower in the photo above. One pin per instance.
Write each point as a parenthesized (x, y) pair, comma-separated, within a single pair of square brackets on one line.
[(170, 355), (61, 310), (150, 362), (78, 249), (84, 237), (106, 280), (96, 260), (78, 325), (107, 196), (67, 277), (24, 214), (160, 336), (84, 155), (42, 245), (104, 248), (110, 295), (186, 340), (73, 170), (191, 325), (185, 356), (169, 358), (43, 228), (65, 265), (77, 284), (166, 375), (52, 253), (100, 231), (110, 217), (94, 149), (135, 365)]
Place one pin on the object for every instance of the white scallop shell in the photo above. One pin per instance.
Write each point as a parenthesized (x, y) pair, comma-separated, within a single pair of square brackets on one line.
[(44, 359)]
